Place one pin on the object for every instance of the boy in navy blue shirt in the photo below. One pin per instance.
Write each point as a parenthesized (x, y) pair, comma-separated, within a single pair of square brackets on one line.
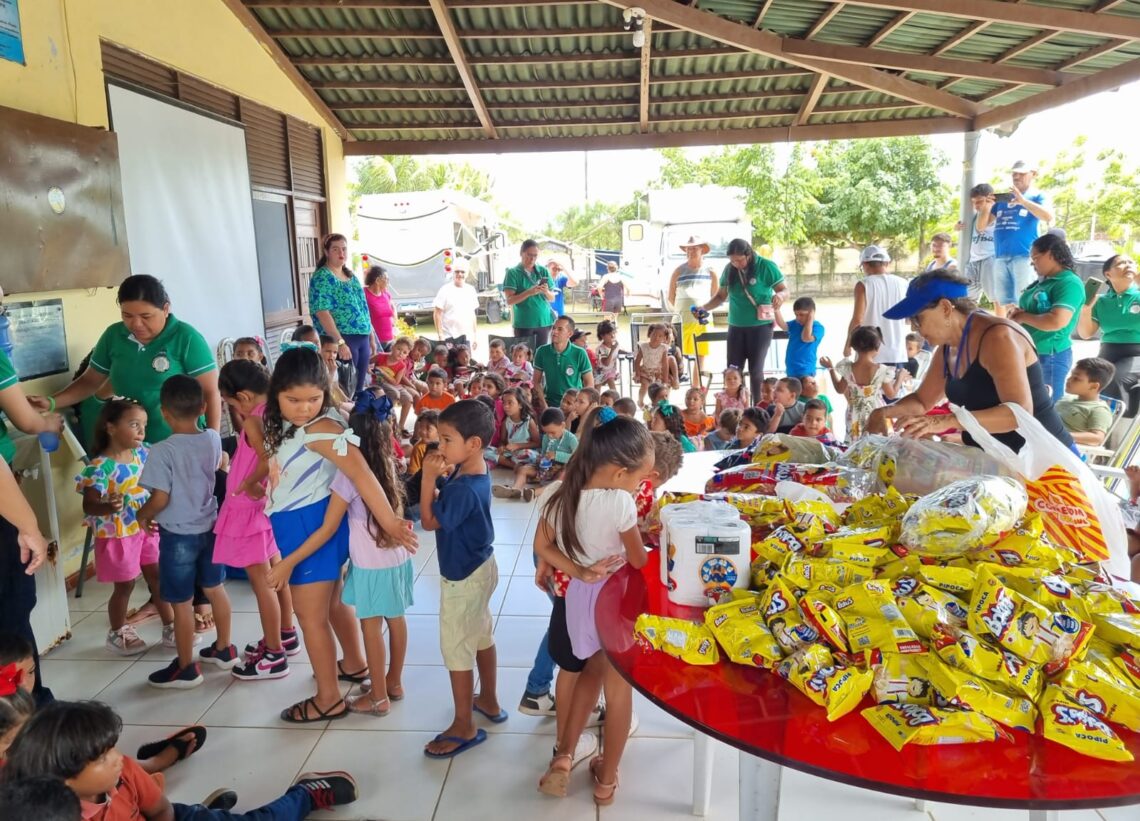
[(461, 515), (804, 336)]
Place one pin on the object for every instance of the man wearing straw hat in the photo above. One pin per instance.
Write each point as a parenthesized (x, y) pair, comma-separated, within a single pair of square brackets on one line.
[(693, 283)]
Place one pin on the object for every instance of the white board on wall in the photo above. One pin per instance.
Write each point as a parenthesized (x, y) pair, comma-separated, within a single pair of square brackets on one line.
[(189, 212)]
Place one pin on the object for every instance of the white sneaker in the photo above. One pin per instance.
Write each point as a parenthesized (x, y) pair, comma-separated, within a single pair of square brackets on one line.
[(541, 705), (168, 637), (597, 715), (125, 641), (587, 746)]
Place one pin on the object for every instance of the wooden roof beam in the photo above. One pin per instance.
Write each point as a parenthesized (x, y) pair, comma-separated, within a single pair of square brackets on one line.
[(764, 7), (811, 98), (733, 34), (961, 37), (459, 57), (823, 20), (643, 99), (886, 31), (1021, 48), (430, 34), (1093, 53)]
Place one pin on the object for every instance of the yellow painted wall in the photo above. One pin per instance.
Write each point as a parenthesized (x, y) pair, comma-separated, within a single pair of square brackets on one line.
[(63, 79)]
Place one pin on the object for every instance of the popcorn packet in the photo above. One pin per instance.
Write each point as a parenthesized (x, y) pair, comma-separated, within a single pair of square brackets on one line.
[(692, 643), (874, 621), (782, 615), (815, 673), (965, 691), (957, 518), (965, 651), (1079, 728), (903, 724), (1102, 691), (901, 679), (740, 631)]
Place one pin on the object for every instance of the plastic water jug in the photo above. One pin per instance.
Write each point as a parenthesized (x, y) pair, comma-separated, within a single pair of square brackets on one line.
[(708, 552)]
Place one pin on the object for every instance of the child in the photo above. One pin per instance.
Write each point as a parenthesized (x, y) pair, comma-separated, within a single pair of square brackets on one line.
[(863, 381), (420, 365), (111, 499), (498, 362), (439, 357), (426, 432), (459, 364), (917, 360), (667, 457), (307, 443), (609, 397), (734, 395), (518, 437), (649, 365), (179, 473), (586, 399), (814, 423), (569, 403), (393, 372), (243, 536), (495, 386), (45, 799), (468, 573), (340, 398), (752, 425), (767, 390), (667, 418), (251, 348), (16, 704), (437, 397), (308, 334), (588, 529), (606, 371), (809, 389), (75, 743), (626, 407), (558, 445), (520, 370), (785, 409), (380, 575), (579, 338), (674, 361), (804, 336), (697, 421), (1087, 417), (725, 433)]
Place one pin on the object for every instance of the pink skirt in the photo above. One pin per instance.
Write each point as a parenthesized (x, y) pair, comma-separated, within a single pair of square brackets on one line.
[(243, 535), (121, 559), (580, 601)]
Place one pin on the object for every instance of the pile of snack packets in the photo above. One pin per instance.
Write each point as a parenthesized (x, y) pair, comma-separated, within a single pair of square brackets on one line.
[(953, 611)]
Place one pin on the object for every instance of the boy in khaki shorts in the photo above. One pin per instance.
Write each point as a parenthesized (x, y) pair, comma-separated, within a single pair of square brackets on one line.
[(461, 515)]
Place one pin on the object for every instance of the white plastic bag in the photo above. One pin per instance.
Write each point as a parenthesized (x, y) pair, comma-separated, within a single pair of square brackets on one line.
[(1041, 452)]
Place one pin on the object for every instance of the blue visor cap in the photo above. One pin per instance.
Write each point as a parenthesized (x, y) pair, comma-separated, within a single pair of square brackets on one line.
[(921, 295)]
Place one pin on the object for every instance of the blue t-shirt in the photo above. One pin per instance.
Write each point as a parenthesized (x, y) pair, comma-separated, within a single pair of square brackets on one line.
[(802, 357), (466, 535), (1015, 228), (558, 304), (183, 465)]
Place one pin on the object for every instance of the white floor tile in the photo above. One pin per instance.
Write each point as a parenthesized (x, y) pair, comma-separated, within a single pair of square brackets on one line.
[(511, 531), (423, 640), (517, 638), (427, 706), (510, 509), (241, 596), (506, 555), (75, 680), (956, 812), (423, 560), (524, 565), (511, 684), (806, 796), (1115, 814), (259, 703), (396, 781), (655, 722), (88, 634), (524, 598), (139, 703)]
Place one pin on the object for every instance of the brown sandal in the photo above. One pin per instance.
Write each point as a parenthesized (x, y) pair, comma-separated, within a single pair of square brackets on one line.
[(608, 798), (556, 780)]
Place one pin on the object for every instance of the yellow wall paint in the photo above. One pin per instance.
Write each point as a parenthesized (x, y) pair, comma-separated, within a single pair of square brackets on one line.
[(63, 79)]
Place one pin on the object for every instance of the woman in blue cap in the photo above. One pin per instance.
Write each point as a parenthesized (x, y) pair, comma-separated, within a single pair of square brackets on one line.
[(980, 363)]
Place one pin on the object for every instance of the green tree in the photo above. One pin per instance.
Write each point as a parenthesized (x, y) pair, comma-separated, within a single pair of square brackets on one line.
[(593, 225)]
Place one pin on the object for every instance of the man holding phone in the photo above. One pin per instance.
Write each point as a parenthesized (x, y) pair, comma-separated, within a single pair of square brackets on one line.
[(1017, 217)]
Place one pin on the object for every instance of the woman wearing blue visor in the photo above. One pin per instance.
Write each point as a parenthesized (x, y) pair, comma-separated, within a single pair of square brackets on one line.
[(980, 363)]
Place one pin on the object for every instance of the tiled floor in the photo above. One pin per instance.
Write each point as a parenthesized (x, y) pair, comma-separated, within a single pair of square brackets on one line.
[(250, 749)]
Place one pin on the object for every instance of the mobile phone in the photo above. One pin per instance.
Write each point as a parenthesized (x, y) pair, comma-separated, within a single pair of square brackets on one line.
[(1092, 288), (1003, 197)]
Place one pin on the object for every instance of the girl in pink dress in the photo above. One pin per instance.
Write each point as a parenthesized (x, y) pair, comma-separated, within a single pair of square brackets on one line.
[(735, 395), (244, 537)]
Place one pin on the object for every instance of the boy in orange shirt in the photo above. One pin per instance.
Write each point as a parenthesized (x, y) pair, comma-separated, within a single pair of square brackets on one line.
[(437, 398)]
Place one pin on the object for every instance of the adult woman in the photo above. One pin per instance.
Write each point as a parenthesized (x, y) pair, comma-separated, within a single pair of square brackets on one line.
[(980, 363), (529, 289), (1116, 315), (754, 288), (1050, 307), (338, 306), (380, 307), (140, 353), (693, 283)]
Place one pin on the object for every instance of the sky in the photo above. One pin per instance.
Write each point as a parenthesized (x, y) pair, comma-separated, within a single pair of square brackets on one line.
[(534, 187)]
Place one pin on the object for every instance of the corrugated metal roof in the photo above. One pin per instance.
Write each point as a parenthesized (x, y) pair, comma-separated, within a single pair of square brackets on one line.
[(549, 69)]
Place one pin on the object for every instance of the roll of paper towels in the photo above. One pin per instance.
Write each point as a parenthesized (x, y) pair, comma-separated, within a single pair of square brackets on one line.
[(708, 552)]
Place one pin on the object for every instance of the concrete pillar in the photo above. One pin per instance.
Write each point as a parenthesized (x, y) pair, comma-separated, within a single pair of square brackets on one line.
[(966, 213)]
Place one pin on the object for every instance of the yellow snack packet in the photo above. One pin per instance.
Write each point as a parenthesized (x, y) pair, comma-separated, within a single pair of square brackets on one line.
[(957, 580), (784, 541), (756, 509), (783, 617), (740, 630), (815, 605), (1024, 546), (805, 571), (928, 606), (815, 673), (965, 651), (1119, 628), (966, 691), (874, 621), (878, 508), (691, 643), (1101, 691), (903, 724), (1128, 663), (1025, 627), (824, 511), (1079, 728), (1104, 598), (867, 547), (905, 564), (901, 679)]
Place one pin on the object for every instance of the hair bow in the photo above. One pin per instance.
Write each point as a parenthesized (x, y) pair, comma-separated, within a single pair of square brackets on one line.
[(296, 346), (606, 414), (664, 407), (11, 676), (373, 404)]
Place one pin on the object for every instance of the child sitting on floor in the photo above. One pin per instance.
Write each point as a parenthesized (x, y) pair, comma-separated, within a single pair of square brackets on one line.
[(725, 433), (626, 407), (814, 423), (667, 418), (696, 419)]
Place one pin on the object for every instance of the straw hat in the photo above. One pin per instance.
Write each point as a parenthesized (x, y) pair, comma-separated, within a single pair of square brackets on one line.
[(695, 242)]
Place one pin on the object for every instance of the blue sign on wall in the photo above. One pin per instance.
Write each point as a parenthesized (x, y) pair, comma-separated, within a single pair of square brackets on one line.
[(11, 41)]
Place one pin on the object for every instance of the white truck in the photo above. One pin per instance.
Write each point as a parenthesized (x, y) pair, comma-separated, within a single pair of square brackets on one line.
[(651, 249), (416, 236)]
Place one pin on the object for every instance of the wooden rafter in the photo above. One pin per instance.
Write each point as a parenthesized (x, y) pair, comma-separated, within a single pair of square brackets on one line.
[(961, 37), (1023, 47), (430, 34), (1093, 53), (510, 59), (764, 7), (823, 20), (998, 92), (459, 57), (890, 28), (643, 90), (725, 31), (811, 98)]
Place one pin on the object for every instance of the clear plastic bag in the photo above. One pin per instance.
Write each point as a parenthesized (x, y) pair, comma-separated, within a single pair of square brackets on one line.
[(920, 466), (963, 516)]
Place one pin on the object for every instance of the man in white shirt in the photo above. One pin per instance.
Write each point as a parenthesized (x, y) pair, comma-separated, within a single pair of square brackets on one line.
[(455, 306), (872, 297), (940, 250)]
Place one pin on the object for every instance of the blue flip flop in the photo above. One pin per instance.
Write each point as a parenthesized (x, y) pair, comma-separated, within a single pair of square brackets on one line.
[(464, 744), (496, 719)]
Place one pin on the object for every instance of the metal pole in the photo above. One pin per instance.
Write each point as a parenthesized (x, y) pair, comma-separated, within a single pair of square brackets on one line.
[(966, 211)]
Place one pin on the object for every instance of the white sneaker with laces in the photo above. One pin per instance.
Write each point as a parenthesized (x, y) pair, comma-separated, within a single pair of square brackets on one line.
[(587, 746), (540, 705), (168, 637), (125, 641)]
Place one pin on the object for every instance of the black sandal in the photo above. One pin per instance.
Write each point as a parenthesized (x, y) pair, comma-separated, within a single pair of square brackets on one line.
[(301, 709), (156, 748), (359, 677)]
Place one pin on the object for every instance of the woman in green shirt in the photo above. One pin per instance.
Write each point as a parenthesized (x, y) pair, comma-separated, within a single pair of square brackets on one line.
[(140, 353), (754, 288), (339, 308), (1116, 314), (529, 290), (1048, 309)]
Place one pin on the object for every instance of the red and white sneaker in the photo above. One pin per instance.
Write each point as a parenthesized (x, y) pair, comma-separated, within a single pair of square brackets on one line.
[(265, 666)]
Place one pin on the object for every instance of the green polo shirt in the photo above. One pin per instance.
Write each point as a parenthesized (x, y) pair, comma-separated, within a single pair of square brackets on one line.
[(8, 378), (760, 279), (534, 311), (1065, 290), (137, 371), (561, 371), (1119, 316)]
